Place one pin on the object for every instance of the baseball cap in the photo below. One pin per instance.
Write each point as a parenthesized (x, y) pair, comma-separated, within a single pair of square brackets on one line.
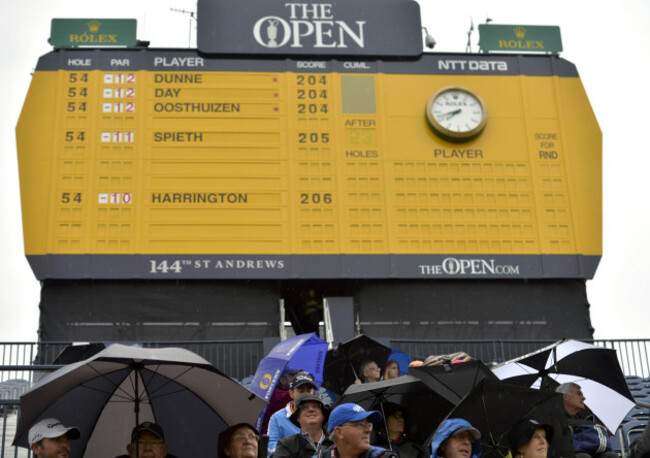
[(147, 426), (522, 432), (299, 403), (302, 379), (475, 433), (50, 428), (351, 412)]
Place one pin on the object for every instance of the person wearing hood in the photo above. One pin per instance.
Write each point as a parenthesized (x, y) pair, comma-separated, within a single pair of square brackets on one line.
[(456, 438), (529, 438), (240, 441), (310, 416)]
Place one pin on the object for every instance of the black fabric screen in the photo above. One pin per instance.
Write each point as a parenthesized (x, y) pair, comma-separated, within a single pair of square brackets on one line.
[(490, 309), (158, 310)]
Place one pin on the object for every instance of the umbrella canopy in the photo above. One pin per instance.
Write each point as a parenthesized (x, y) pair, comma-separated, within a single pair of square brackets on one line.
[(305, 351), (595, 369), (493, 407), (106, 395), (342, 363), (402, 358), (453, 381), (425, 408)]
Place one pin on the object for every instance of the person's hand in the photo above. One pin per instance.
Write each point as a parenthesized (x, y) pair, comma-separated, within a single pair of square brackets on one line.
[(358, 382)]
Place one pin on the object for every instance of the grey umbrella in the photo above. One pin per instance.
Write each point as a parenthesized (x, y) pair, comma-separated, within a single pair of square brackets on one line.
[(108, 394)]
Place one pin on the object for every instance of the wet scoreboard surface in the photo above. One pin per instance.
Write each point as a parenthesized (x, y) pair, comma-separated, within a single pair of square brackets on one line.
[(172, 164)]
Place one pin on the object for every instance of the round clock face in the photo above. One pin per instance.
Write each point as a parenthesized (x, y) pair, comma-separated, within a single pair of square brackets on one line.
[(456, 113)]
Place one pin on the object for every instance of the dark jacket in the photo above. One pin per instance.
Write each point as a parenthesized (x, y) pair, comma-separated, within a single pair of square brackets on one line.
[(405, 448), (374, 452), (297, 446)]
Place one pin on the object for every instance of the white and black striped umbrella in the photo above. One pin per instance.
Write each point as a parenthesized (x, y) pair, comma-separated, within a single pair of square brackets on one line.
[(595, 369), (108, 394)]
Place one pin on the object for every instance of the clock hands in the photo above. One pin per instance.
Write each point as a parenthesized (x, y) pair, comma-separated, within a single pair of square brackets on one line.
[(449, 115)]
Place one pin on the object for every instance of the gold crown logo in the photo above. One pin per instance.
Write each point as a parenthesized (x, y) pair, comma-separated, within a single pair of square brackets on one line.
[(520, 32), (94, 26)]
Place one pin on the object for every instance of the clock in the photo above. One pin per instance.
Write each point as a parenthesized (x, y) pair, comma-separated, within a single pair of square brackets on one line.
[(456, 113)]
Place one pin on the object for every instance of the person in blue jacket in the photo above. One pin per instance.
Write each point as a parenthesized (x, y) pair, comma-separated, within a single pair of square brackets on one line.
[(456, 438), (280, 425)]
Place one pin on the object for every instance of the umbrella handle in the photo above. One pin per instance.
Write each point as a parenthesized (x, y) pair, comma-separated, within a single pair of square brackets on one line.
[(383, 416), (354, 372)]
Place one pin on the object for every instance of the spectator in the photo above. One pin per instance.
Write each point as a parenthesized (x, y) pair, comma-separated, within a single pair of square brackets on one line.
[(391, 370), (147, 440), (396, 418), (530, 439), (350, 427), (640, 447), (50, 439), (369, 372), (456, 438), (239, 441), (310, 415), (280, 396), (280, 425), (590, 438)]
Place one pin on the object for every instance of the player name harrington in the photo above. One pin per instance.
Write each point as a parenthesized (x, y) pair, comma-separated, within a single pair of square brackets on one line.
[(198, 198)]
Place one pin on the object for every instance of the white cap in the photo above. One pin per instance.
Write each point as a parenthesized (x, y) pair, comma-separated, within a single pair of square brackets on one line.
[(51, 428)]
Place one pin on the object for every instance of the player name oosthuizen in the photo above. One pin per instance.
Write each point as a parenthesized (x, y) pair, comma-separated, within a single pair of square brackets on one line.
[(196, 107)]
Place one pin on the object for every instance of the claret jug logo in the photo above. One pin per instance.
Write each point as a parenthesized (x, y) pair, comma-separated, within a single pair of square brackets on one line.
[(308, 24), (266, 381)]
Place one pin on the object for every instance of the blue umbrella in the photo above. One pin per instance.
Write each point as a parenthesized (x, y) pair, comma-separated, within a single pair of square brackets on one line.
[(402, 358), (305, 351)]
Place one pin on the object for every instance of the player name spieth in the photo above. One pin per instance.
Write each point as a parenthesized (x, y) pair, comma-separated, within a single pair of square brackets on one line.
[(453, 266)]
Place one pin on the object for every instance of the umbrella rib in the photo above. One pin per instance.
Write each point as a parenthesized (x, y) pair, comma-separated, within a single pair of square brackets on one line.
[(493, 443), (152, 394), (125, 394)]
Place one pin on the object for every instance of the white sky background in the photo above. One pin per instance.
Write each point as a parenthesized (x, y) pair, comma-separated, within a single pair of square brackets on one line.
[(609, 41)]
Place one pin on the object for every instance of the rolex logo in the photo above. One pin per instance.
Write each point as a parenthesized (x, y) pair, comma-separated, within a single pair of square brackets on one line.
[(93, 26), (520, 32)]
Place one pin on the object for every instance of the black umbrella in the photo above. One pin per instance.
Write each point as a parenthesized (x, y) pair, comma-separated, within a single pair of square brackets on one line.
[(425, 408), (74, 353), (493, 407), (342, 363), (453, 381), (595, 369), (106, 395)]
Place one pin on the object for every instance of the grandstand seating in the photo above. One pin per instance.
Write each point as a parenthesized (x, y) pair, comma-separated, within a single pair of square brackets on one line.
[(630, 431)]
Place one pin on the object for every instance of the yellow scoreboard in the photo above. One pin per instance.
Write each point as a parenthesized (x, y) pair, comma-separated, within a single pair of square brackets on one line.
[(152, 164)]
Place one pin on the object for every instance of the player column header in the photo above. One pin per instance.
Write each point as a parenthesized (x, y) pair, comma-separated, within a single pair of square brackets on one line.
[(335, 27)]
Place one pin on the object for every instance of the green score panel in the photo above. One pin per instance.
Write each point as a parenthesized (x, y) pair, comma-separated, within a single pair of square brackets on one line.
[(214, 171)]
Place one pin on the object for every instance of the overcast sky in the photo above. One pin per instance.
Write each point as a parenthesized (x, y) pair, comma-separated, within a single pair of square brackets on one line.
[(608, 41)]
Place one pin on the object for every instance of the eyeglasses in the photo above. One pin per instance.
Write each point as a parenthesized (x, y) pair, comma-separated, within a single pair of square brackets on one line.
[(150, 442), (358, 424), (245, 437), (373, 368)]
